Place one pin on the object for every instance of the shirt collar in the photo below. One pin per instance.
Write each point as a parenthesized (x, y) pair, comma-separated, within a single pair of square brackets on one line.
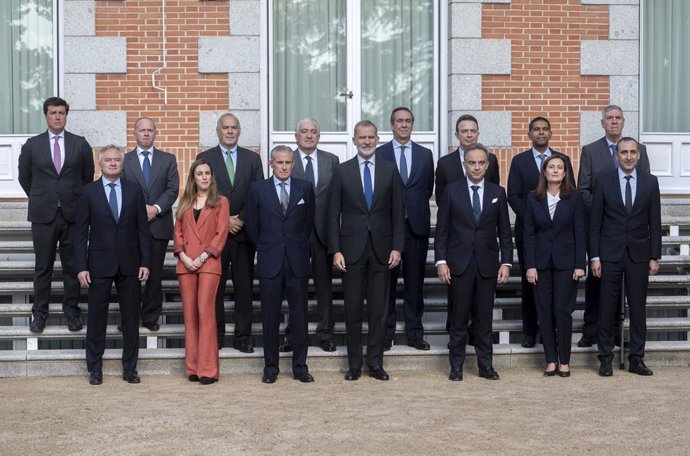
[(361, 160), (106, 182), (396, 144), (470, 184), (140, 151), (52, 135), (302, 154), (225, 150), (621, 174), (276, 181), (535, 152)]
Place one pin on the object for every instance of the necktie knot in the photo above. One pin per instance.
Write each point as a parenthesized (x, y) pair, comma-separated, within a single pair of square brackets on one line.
[(628, 178), (475, 188), (541, 158)]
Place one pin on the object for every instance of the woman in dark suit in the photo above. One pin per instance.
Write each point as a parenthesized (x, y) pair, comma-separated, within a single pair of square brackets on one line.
[(555, 258), (201, 230)]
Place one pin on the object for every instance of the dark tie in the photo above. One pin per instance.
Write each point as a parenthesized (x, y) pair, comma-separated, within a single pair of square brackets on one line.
[(146, 167), (283, 197), (113, 201), (614, 148), (309, 171), (628, 195), (541, 158), (476, 206), (368, 190), (403, 165), (57, 157)]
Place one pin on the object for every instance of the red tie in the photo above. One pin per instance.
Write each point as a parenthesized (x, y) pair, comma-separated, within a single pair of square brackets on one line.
[(57, 158)]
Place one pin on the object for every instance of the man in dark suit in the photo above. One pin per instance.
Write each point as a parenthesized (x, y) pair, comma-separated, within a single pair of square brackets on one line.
[(597, 158), (471, 216), (450, 167), (53, 167), (522, 179), (235, 168), (112, 243), (279, 220), (625, 242), (316, 166), (156, 173), (416, 172), (366, 237)]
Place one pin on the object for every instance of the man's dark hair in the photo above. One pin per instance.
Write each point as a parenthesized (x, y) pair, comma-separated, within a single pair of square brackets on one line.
[(55, 101), (537, 119), (463, 118), (400, 108), (628, 139)]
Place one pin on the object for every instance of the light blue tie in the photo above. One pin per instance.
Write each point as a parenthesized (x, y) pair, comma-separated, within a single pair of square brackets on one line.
[(113, 202), (541, 158), (368, 190), (614, 157)]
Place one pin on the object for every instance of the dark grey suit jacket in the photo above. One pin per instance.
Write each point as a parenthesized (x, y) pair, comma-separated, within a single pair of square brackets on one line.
[(326, 163), (163, 188)]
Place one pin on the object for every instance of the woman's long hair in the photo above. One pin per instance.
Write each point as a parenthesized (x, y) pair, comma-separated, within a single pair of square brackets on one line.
[(190, 190), (566, 186)]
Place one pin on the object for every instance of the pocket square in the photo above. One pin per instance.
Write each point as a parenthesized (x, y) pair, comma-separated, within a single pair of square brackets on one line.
[(301, 201), (495, 200)]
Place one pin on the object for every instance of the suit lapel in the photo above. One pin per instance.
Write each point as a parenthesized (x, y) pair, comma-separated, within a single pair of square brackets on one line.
[(203, 216), (414, 164), (47, 152), (132, 163), (156, 166), (457, 164), (466, 202), (544, 203), (322, 165), (217, 160), (605, 155)]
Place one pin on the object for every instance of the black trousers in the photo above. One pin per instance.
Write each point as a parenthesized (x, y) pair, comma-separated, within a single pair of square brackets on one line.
[(413, 267), (240, 255), (473, 295), (47, 239), (285, 284), (530, 322), (152, 298), (636, 279), (129, 297), (555, 296), (366, 277)]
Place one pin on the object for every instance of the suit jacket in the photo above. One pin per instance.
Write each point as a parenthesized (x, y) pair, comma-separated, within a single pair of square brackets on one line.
[(208, 234), (612, 229), (449, 169), (557, 243), (248, 169), (595, 159), (459, 237), (45, 188), (350, 221), (164, 184), (326, 163), (278, 236), (420, 185), (102, 245), (522, 179)]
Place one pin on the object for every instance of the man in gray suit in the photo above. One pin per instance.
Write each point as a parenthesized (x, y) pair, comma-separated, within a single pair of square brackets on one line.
[(156, 172), (316, 166), (597, 158)]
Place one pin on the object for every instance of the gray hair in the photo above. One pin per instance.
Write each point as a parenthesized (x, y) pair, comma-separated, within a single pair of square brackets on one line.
[(476, 146), (611, 107), (223, 116), (365, 123), (107, 148), (307, 119), (280, 148)]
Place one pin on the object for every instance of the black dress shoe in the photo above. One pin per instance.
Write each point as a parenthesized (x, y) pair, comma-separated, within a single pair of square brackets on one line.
[(269, 378), (548, 373), (387, 345), (455, 375), (193, 378), (586, 341), (131, 377), (207, 380), (74, 324), (119, 327), (378, 374), (244, 347), (327, 345), (639, 368), (304, 378), (38, 324), (419, 344), (605, 369), (151, 325), (286, 347), (563, 373), (489, 373), (528, 341), (353, 374), (95, 378)]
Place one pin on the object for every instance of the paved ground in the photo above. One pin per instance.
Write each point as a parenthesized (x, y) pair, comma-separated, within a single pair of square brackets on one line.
[(414, 413)]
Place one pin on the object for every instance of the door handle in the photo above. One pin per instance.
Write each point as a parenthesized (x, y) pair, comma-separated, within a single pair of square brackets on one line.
[(346, 93)]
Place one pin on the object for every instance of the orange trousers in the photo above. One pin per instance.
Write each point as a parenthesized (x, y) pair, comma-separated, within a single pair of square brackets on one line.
[(198, 293)]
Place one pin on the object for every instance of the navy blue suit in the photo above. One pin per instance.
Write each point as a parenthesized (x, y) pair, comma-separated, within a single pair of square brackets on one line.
[(112, 251), (415, 197), (522, 179), (472, 253), (624, 243), (282, 246), (555, 248)]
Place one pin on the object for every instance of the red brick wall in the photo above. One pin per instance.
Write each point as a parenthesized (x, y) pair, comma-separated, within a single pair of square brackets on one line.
[(545, 75), (189, 92)]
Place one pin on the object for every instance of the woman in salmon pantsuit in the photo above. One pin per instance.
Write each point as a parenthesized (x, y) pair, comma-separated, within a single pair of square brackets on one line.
[(201, 230)]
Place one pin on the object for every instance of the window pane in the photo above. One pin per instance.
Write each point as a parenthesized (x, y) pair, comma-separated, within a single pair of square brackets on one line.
[(665, 91), (309, 63), (397, 60), (26, 76)]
